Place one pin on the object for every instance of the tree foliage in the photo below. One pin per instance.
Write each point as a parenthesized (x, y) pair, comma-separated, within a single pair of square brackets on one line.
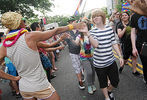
[(119, 5), (61, 20), (25, 7), (105, 10)]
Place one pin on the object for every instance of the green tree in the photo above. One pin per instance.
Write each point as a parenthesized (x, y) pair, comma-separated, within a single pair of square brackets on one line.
[(61, 20), (25, 7), (119, 5), (105, 10)]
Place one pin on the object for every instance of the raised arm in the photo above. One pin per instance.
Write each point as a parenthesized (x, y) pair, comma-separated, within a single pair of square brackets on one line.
[(77, 41), (53, 49), (93, 41), (42, 36), (121, 32), (85, 31), (47, 45)]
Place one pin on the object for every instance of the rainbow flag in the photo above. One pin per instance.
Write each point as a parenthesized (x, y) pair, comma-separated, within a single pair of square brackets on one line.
[(125, 4), (77, 10)]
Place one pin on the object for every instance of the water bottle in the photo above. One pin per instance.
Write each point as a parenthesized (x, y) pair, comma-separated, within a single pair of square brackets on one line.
[(6, 69)]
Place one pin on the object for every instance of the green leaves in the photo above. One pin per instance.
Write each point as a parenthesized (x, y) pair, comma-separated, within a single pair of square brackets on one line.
[(25, 6), (61, 20)]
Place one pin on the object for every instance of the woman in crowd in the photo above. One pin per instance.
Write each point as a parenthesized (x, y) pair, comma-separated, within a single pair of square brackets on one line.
[(124, 33)]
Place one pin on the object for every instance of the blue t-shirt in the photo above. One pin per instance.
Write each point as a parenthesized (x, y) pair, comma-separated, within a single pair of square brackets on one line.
[(9, 64)]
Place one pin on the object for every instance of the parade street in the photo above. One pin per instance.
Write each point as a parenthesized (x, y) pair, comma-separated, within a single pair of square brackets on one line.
[(66, 84)]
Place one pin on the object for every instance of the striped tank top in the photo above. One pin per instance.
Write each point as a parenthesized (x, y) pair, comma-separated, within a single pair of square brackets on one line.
[(28, 66)]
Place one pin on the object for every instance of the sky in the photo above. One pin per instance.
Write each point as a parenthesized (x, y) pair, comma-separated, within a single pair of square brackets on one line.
[(68, 7)]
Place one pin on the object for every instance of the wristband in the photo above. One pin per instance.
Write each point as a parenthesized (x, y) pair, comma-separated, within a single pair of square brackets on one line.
[(70, 26)]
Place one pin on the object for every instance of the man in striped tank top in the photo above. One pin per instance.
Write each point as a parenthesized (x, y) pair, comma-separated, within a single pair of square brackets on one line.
[(20, 46), (102, 39)]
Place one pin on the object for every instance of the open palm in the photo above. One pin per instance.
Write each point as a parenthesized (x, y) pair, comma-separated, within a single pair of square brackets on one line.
[(83, 29)]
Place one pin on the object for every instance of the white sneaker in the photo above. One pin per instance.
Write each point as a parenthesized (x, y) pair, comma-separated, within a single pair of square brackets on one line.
[(111, 96), (90, 91), (93, 88), (107, 99), (81, 85)]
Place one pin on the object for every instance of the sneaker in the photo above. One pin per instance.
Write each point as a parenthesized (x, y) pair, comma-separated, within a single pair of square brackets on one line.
[(111, 96), (136, 73), (107, 99), (90, 90), (81, 85), (83, 78), (52, 76), (13, 93), (93, 88), (120, 69), (55, 69), (18, 95)]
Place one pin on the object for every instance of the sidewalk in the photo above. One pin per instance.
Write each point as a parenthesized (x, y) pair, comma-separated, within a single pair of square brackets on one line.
[(130, 87)]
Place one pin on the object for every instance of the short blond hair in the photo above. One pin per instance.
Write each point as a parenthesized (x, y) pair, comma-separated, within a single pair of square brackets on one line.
[(97, 13)]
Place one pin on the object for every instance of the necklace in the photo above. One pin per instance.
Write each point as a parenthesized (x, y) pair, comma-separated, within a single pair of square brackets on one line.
[(13, 37)]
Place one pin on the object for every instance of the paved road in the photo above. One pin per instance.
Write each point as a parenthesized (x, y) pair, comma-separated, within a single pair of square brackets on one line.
[(130, 87)]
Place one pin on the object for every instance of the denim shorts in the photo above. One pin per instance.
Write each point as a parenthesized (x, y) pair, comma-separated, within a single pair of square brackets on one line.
[(45, 61)]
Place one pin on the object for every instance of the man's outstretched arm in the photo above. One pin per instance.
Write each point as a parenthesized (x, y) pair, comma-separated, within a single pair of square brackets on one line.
[(42, 36), (138, 6)]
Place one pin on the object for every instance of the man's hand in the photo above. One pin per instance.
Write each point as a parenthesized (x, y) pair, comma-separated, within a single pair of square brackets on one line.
[(17, 78), (61, 47), (138, 6), (121, 61), (135, 52), (64, 35), (124, 24), (78, 26)]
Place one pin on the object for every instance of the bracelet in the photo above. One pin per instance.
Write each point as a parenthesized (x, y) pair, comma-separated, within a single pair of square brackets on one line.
[(70, 26)]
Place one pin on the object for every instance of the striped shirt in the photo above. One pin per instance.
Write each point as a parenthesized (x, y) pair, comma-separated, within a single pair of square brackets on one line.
[(103, 55), (28, 66)]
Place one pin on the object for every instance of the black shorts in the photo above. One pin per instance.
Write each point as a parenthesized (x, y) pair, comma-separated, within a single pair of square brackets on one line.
[(110, 72), (127, 51)]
